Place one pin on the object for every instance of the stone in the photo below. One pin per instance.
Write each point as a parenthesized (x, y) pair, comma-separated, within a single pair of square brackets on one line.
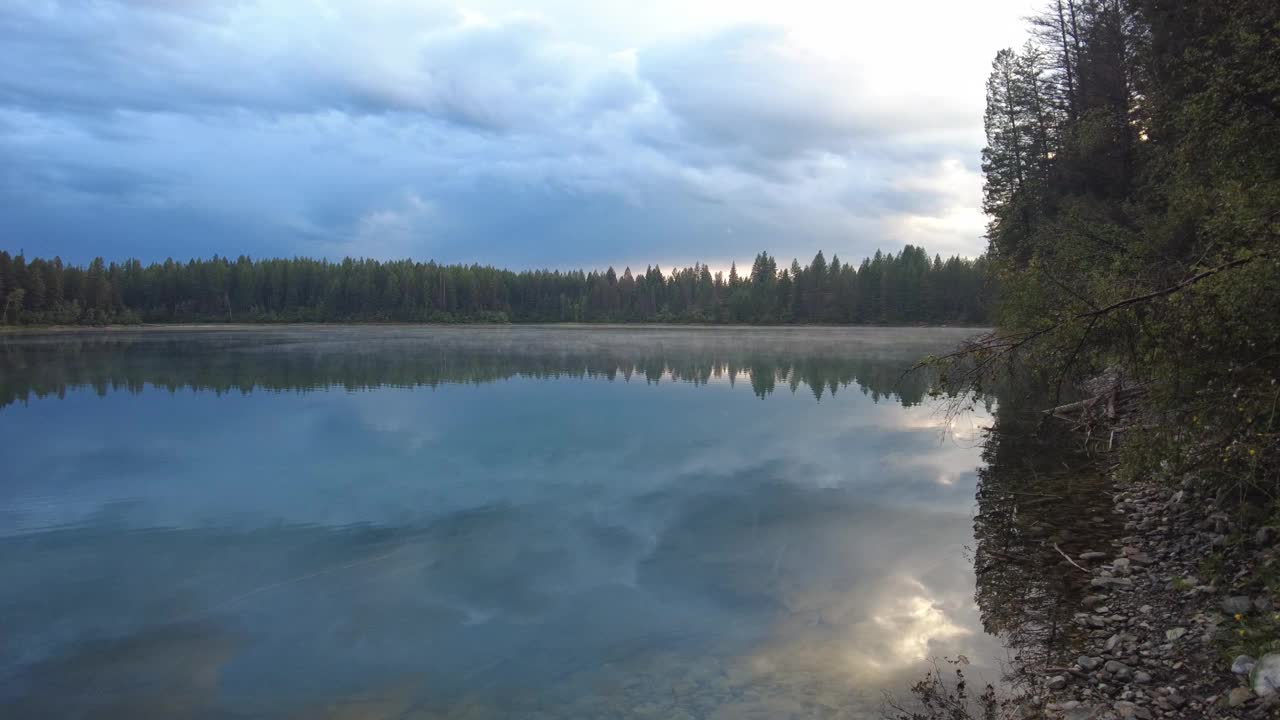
[(1089, 663), (1265, 536), (1093, 555), (1092, 601), (1142, 678), (1111, 582), (1243, 665), (1113, 641), (1175, 700), (1128, 709), (1239, 696), (1118, 669), (1266, 675), (1237, 605), (1057, 682)]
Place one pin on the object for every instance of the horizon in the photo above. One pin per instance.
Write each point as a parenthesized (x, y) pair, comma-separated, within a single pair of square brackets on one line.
[(619, 269)]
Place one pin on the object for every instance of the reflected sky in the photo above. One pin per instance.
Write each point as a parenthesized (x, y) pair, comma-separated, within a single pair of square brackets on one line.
[(531, 544)]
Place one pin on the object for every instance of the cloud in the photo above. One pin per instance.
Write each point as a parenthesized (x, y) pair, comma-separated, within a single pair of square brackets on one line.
[(391, 233), (536, 134)]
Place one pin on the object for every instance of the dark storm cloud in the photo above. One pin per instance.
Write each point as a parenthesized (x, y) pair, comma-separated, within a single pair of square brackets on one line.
[(407, 129)]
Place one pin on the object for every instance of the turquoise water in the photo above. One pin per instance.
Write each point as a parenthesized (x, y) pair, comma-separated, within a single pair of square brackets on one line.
[(479, 522)]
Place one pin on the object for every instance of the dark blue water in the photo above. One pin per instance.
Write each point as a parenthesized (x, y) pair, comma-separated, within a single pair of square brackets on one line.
[(513, 522)]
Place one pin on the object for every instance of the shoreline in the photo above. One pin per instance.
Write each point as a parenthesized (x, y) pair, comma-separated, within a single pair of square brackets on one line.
[(1154, 629)]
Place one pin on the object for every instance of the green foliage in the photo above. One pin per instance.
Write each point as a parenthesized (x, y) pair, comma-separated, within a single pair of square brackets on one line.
[(1134, 223), (902, 288)]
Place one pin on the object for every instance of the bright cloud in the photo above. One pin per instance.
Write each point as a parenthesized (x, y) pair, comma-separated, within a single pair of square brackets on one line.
[(551, 133)]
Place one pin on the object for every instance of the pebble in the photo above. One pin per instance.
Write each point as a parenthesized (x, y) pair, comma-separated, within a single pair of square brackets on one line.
[(1130, 710), (1239, 696)]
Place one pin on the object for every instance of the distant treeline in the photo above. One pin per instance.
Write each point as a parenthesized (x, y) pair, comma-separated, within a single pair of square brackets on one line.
[(908, 287)]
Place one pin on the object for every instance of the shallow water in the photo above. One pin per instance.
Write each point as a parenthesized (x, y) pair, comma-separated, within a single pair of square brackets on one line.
[(400, 522)]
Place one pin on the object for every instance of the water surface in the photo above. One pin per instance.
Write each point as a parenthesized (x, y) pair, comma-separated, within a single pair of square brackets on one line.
[(398, 522)]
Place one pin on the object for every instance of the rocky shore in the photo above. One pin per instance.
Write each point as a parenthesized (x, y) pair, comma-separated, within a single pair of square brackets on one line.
[(1167, 602)]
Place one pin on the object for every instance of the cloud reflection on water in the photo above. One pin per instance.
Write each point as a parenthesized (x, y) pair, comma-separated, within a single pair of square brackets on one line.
[(553, 546)]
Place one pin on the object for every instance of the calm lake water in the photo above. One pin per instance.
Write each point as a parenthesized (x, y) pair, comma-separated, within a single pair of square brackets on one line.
[(392, 522)]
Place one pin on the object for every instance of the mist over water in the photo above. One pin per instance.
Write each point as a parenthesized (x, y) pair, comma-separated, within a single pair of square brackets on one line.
[(479, 522)]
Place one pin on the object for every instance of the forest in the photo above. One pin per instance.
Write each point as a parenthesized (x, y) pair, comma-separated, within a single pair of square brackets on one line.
[(1133, 189), (907, 287)]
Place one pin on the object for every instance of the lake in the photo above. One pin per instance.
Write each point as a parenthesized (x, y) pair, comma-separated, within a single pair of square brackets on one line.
[(480, 522)]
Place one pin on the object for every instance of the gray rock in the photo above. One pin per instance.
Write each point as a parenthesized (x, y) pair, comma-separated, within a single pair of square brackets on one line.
[(1175, 700), (1057, 682), (1089, 663), (1266, 675), (1239, 696), (1092, 601), (1237, 604), (1093, 555), (1243, 665), (1141, 678), (1127, 709), (1113, 641), (1117, 668), (1174, 633), (1265, 536)]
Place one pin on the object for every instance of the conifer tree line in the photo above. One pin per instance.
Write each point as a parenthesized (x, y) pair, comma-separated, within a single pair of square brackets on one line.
[(1133, 188), (907, 287)]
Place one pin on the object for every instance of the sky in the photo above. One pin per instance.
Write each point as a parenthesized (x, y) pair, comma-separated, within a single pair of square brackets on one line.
[(544, 133)]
